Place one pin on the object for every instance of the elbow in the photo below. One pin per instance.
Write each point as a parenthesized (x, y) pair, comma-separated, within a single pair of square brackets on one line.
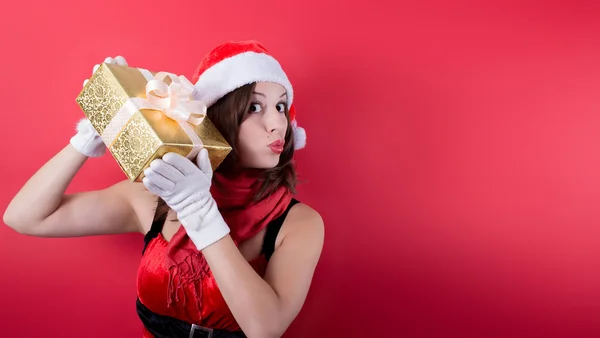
[(14, 221), (8, 218)]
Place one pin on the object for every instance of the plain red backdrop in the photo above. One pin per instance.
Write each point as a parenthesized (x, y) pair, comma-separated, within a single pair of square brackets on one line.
[(453, 151)]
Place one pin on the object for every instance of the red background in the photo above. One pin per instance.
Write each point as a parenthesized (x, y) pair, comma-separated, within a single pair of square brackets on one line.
[(464, 198)]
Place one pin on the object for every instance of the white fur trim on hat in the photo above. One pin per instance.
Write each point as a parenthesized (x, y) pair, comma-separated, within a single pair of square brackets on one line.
[(236, 71)]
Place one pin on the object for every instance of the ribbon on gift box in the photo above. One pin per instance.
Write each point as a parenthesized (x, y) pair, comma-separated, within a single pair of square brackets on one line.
[(174, 100)]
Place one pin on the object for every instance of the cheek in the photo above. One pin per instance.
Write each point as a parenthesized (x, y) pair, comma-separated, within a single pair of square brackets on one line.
[(282, 119), (246, 136)]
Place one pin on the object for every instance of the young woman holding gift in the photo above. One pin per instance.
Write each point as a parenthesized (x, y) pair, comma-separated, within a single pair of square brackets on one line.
[(229, 253)]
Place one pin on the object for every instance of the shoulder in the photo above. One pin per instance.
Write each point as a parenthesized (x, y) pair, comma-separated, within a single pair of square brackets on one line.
[(304, 225), (141, 201), (302, 217)]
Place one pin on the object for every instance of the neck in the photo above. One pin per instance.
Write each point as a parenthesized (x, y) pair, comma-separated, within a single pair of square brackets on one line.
[(236, 188), (237, 172)]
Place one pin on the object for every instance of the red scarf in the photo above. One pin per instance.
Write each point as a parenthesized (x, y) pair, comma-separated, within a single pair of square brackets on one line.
[(245, 218)]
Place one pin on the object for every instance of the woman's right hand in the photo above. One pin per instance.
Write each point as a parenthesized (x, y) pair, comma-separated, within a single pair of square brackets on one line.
[(117, 60), (87, 140)]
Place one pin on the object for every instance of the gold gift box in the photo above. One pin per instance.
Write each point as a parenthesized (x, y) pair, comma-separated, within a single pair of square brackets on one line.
[(145, 134)]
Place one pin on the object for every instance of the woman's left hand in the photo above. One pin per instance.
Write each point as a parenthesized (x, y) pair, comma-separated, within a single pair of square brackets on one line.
[(185, 187)]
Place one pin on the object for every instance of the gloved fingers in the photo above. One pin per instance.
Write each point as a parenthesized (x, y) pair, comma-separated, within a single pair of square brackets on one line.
[(93, 71), (166, 170), (181, 163), (120, 60), (159, 180), (203, 162), (153, 188)]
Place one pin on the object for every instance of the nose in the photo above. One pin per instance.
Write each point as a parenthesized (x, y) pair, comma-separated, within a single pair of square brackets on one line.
[(275, 121)]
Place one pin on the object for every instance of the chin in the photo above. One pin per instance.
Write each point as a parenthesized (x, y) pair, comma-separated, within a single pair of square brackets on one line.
[(269, 165), (264, 163), (257, 159)]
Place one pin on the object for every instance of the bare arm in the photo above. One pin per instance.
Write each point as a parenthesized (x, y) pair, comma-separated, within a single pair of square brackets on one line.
[(266, 307), (262, 307), (41, 207)]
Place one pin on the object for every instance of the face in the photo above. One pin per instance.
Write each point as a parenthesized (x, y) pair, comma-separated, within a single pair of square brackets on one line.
[(261, 134)]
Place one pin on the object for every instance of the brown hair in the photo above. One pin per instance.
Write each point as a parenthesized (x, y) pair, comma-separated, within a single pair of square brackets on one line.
[(227, 114)]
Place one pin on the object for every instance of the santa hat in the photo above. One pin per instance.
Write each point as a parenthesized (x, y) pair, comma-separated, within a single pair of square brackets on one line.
[(238, 63)]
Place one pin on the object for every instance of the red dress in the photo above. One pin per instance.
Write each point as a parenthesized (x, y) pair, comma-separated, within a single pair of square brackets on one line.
[(152, 283)]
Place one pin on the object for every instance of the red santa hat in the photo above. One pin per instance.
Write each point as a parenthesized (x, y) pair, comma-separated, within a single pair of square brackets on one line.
[(237, 63)]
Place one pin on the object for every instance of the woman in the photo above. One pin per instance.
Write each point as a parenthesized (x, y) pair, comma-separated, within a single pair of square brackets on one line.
[(227, 254)]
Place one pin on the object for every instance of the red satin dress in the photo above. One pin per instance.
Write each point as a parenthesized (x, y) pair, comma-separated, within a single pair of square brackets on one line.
[(152, 286), (153, 282)]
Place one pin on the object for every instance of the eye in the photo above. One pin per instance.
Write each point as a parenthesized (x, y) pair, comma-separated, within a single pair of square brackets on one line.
[(281, 107), (255, 107)]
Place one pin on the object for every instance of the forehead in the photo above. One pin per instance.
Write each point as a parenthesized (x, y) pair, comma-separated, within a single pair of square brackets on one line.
[(270, 89)]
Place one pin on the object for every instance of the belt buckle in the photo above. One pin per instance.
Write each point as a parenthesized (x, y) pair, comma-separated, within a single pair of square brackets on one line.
[(198, 328)]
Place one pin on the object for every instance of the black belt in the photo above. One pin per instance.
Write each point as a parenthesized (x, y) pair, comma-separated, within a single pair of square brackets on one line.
[(168, 327)]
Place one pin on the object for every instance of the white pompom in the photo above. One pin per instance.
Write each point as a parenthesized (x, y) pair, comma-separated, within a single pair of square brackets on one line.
[(299, 137)]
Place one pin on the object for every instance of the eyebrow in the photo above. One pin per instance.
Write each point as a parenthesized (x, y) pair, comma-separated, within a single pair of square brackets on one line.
[(263, 95)]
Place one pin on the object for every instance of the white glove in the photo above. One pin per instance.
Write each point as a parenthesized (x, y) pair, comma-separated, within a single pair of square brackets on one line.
[(119, 60), (86, 140), (185, 187)]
